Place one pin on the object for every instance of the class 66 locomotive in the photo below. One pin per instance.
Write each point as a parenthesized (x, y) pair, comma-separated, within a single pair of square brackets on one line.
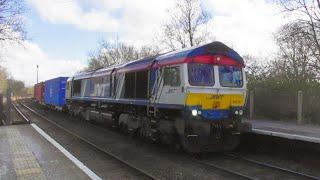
[(193, 97)]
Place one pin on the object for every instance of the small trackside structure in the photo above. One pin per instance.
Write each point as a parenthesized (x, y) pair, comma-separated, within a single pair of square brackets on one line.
[(54, 92)]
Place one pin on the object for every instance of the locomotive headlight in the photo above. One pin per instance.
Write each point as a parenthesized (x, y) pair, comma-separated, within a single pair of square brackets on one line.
[(199, 112), (194, 112), (240, 112), (236, 112)]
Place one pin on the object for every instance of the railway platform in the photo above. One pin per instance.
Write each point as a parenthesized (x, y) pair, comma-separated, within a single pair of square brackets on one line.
[(286, 130), (25, 154)]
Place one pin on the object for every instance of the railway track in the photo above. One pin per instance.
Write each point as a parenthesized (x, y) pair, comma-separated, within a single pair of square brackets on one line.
[(265, 168), (234, 174), (240, 175), (128, 164), (224, 169), (21, 114), (277, 168)]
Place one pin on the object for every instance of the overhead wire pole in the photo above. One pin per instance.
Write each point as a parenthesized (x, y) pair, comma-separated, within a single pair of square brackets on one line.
[(37, 73)]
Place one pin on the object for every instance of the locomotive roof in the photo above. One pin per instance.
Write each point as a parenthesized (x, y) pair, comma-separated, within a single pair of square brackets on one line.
[(175, 57), (214, 48)]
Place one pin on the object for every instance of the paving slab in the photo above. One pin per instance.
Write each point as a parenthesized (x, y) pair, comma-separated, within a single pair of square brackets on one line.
[(287, 130), (25, 154)]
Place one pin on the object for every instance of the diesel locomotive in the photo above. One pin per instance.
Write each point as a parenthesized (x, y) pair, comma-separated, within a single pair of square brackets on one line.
[(193, 97)]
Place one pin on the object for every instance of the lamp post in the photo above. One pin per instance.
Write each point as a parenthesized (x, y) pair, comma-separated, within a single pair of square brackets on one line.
[(37, 73)]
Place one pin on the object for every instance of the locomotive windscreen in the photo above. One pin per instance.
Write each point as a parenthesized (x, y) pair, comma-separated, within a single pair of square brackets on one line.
[(230, 76), (201, 74)]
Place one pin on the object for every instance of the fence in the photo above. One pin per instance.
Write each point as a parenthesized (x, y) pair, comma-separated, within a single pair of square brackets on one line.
[(300, 106)]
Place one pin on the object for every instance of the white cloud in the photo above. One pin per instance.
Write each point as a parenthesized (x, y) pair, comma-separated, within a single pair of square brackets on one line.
[(247, 25), (133, 21), (21, 62), (143, 20), (70, 12)]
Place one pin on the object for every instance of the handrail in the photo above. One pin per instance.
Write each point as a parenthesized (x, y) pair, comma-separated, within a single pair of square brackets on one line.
[(158, 83)]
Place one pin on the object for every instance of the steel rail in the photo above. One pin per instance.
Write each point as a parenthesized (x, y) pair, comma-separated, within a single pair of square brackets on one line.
[(20, 113), (263, 164), (92, 144), (242, 176)]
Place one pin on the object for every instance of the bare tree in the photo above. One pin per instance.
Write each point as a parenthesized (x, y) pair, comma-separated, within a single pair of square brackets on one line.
[(306, 24), (110, 54), (11, 21), (3, 79), (296, 49), (187, 25), (257, 70), (147, 51), (17, 87)]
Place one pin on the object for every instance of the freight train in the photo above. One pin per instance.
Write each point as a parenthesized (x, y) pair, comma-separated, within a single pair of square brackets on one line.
[(193, 97)]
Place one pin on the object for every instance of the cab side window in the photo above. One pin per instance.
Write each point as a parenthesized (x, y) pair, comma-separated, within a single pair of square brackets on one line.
[(172, 76)]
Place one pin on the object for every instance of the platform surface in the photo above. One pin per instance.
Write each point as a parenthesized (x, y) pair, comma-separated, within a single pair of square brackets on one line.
[(25, 154), (309, 133)]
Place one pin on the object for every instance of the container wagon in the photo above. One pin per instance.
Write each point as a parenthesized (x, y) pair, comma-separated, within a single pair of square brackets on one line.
[(54, 93), (39, 92)]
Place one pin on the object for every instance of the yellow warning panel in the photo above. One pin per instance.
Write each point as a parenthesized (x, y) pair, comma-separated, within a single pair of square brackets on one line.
[(214, 101)]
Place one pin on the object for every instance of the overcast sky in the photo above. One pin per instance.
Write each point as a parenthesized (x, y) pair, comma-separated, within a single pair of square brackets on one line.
[(62, 32)]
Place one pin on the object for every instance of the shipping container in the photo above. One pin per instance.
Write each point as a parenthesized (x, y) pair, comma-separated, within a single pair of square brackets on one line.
[(39, 92), (54, 93)]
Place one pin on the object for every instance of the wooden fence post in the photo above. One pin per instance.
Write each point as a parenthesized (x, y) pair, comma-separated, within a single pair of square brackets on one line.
[(300, 110), (251, 105)]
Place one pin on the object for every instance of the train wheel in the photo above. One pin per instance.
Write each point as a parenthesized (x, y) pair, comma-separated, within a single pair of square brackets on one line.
[(123, 128), (190, 145), (231, 142), (171, 141)]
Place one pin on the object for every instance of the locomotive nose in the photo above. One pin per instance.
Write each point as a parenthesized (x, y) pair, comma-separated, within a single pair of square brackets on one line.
[(215, 106)]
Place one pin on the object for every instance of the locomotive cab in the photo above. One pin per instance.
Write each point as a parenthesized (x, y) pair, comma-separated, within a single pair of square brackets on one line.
[(215, 97), (214, 91)]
